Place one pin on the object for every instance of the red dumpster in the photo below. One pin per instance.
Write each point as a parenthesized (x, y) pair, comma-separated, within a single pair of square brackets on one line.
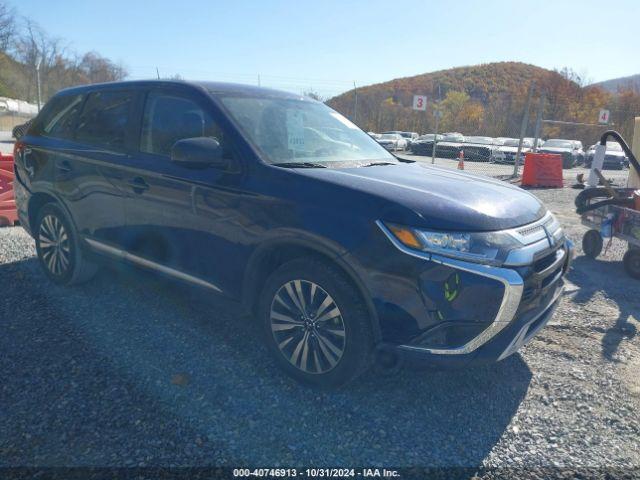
[(542, 170), (8, 214)]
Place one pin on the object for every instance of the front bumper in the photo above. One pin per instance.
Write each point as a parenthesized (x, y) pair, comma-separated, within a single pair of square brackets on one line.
[(525, 295), (504, 343)]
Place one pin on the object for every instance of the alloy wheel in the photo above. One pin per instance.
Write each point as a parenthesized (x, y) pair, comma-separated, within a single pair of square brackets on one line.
[(54, 245), (307, 326)]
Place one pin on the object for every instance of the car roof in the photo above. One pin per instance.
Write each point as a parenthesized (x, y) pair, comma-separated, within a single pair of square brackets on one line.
[(212, 88)]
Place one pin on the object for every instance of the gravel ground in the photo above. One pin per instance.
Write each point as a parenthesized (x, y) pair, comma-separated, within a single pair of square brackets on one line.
[(130, 370)]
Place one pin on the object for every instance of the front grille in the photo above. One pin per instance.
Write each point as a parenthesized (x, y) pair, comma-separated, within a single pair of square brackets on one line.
[(531, 229), (545, 262)]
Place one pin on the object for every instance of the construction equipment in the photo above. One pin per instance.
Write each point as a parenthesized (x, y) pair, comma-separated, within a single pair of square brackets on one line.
[(611, 212)]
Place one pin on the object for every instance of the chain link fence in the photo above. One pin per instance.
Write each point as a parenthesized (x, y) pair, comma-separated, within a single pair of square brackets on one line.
[(491, 136)]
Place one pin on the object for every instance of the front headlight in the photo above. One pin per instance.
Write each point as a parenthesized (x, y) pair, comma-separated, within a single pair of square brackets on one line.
[(481, 247)]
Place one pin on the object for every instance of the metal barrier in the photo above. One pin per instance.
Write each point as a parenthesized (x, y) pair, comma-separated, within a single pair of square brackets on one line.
[(8, 213)]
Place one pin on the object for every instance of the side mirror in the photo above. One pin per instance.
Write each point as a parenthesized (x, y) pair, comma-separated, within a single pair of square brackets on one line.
[(198, 152)]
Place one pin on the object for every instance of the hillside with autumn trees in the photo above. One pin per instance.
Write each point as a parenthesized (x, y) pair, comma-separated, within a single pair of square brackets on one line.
[(490, 100), (27, 50)]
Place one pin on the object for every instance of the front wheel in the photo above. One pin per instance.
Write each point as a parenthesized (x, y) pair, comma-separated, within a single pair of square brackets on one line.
[(631, 262), (58, 247), (592, 243), (316, 324)]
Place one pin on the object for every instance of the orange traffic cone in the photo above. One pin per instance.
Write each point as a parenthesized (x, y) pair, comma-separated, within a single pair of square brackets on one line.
[(461, 160)]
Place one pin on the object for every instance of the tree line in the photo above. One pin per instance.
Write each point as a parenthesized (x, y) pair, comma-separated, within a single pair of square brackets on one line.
[(490, 100), (25, 48)]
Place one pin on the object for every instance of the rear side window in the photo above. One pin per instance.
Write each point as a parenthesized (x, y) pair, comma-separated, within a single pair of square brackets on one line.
[(59, 118), (169, 118), (104, 119)]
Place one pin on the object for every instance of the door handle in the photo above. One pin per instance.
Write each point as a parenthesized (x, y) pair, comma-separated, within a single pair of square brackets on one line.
[(64, 166), (138, 184)]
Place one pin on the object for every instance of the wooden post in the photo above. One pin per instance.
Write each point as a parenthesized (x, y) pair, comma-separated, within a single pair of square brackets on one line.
[(634, 176)]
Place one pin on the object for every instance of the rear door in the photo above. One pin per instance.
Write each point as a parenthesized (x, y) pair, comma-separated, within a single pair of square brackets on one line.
[(90, 177)]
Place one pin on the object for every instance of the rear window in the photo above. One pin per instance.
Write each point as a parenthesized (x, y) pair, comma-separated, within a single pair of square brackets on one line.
[(104, 119), (58, 117)]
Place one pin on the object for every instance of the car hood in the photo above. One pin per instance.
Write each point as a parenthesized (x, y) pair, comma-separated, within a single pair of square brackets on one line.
[(436, 198), (554, 150), (471, 144), (505, 148)]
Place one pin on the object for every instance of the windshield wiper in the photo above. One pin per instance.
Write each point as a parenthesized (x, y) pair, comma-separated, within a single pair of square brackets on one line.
[(299, 165), (378, 164)]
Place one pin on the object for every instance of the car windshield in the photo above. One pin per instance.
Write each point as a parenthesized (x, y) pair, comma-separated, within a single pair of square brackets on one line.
[(389, 136), (453, 138), (514, 142), (291, 130), (480, 140), (428, 136), (613, 146), (558, 144)]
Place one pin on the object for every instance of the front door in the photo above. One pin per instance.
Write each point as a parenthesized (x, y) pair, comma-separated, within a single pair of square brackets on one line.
[(165, 227)]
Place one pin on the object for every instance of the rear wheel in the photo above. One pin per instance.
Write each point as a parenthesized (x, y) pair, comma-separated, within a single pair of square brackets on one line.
[(316, 324), (59, 251), (592, 243)]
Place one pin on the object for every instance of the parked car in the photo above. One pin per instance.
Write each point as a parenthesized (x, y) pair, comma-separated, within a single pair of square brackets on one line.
[(374, 134), (479, 149), (507, 152), (423, 145), (408, 136), (450, 146), (532, 141), (568, 149), (339, 250), (614, 159), (392, 141)]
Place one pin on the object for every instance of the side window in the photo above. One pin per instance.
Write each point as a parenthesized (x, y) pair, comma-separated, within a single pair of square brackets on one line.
[(104, 118), (168, 118), (59, 118)]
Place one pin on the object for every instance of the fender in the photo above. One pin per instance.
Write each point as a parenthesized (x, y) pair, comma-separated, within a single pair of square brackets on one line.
[(288, 238)]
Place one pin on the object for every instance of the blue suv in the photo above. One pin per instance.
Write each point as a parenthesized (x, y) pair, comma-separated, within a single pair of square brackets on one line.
[(342, 251)]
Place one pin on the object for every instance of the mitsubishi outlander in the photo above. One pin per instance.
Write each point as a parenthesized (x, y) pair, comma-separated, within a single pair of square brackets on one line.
[(340, 249)]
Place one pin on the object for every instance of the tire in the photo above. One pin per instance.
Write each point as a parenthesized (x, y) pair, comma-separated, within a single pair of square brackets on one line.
[(324, 353), (592, 243), (59, 250), (631, 263)]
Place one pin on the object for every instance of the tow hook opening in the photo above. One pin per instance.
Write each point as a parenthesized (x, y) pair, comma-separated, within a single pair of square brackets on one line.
[(386, 360)]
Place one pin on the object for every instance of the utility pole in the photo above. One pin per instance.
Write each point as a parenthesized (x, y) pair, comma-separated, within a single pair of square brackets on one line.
[(158, 73), (523, 128), (539, 115), (355, 106), (38, 83), (436, 112), (435, 136), (259, 80)]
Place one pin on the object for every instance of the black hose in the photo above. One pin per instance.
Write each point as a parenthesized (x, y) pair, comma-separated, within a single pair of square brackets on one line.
[(621, 202), (625, 194), (623, 144)]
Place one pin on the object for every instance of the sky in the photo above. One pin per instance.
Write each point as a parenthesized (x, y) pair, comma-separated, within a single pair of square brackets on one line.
[(327, 45)]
